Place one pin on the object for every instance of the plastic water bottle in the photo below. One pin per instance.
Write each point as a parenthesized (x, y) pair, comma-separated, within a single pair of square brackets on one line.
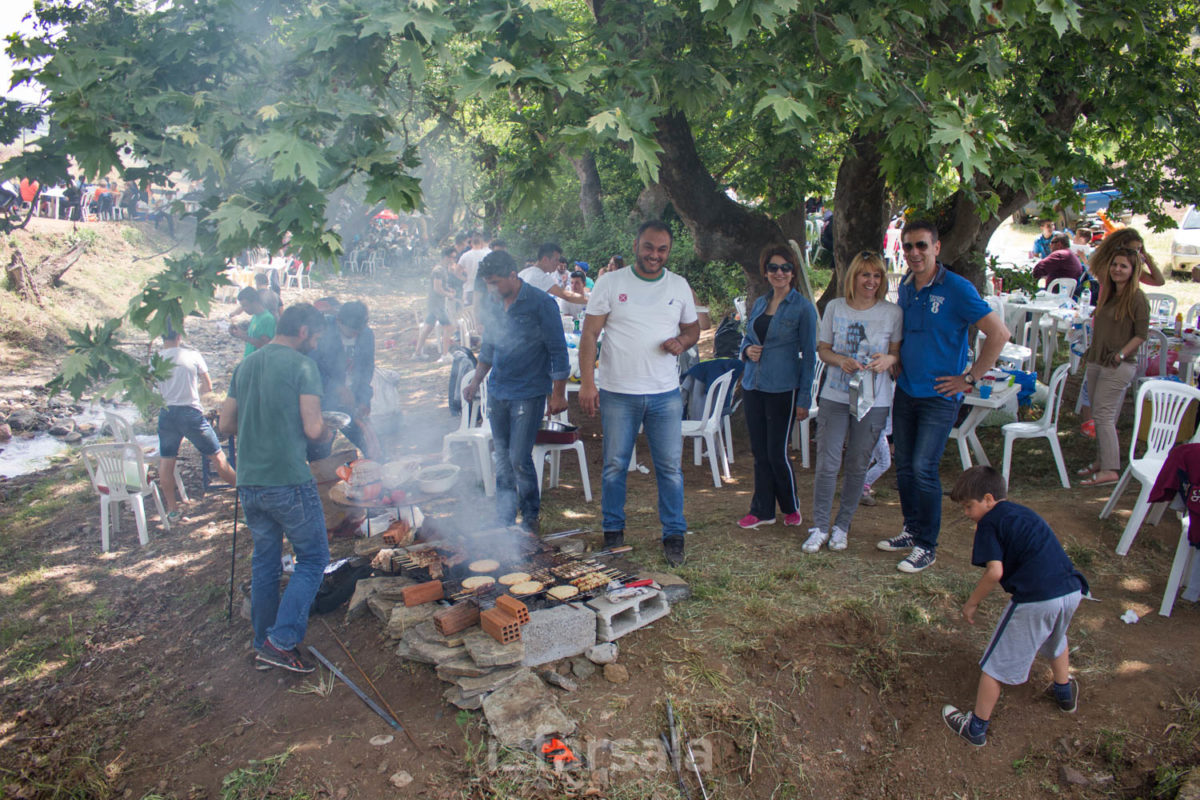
[(1085, 297)]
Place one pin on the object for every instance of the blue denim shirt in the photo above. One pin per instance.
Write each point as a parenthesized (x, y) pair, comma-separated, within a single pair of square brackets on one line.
[(525, 346), (789, 353)]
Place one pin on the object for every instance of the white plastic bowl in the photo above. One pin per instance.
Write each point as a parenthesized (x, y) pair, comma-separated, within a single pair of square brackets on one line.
[(437, 479)]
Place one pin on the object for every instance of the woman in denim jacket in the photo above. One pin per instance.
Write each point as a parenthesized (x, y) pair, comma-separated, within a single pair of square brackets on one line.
[(779, 351)]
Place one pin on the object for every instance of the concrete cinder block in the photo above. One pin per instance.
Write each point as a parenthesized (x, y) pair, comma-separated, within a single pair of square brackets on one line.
[(559, 632), (614, 620)]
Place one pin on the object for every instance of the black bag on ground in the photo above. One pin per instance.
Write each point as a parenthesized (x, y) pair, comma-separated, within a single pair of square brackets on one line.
[(728, 338), (464, 362), (338, 584)]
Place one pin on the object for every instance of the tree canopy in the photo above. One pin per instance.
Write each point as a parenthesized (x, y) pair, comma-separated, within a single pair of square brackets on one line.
[(735, 110)]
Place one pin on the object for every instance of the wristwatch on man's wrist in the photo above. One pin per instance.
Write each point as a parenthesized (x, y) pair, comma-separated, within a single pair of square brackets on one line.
[(969, 378)]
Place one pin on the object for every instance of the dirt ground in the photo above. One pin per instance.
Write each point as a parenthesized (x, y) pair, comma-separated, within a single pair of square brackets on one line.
[(797, 676)]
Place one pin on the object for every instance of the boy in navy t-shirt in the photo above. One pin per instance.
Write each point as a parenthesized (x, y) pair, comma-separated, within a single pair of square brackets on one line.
[(1017, 550)]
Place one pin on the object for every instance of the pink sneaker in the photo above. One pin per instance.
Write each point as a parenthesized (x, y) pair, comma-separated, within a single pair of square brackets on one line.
[(793, 519), (750, 522)]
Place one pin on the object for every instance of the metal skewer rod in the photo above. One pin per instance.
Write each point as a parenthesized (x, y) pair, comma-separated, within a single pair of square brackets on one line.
[(371, 704), (370, 683)]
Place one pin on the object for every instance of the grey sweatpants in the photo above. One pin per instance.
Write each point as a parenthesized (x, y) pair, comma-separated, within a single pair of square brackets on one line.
[(838, 433)]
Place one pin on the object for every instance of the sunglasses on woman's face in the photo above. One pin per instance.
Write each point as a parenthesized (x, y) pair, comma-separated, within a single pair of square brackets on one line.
[(776, 267)]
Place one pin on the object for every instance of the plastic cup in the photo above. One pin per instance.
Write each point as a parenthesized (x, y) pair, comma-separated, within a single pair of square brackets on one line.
[(985, 391)]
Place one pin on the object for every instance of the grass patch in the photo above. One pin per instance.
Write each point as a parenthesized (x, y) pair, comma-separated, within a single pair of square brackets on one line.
[(256, 780)]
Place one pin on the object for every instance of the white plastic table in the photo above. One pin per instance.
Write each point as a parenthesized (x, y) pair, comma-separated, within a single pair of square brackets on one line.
[(965, 432)]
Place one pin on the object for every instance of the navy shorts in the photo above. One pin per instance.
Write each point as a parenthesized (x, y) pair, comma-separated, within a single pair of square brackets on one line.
[(176, 423)]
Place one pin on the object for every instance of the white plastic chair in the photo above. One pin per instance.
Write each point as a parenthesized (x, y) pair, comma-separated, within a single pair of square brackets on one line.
[(1183, 571), (801, 433), (1169, 401), (1156, 345), (475, 431), (555, 451), (1162, 306), (1046, 427), (122, 431), (1017, 356), (1062, 287), (709, 428), (297, 275), (1192, 315), (118, 474)]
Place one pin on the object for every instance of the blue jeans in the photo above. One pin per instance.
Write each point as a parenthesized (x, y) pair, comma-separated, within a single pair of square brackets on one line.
[(920, 428), (514, 428), (661, 416), (273, 512)]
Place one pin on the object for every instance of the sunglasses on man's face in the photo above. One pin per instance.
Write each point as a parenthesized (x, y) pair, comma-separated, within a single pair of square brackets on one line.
[(784, 267), (921, 245)]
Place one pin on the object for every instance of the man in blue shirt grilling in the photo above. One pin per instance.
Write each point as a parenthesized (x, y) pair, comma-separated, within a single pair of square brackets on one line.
[(525, 352)]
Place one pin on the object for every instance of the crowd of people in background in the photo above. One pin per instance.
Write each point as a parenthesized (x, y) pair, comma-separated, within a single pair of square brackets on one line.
[(103, 200)]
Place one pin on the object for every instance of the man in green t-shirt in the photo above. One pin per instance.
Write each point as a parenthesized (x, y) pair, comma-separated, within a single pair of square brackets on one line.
[(261, 327), (274, 407)]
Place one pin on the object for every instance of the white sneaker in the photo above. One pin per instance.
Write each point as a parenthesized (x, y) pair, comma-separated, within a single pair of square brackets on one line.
[(446, 359), (816, 538), (837, 541)]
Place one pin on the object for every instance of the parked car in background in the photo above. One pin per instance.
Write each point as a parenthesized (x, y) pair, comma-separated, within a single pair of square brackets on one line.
[(1185, 242), (1104, 198)]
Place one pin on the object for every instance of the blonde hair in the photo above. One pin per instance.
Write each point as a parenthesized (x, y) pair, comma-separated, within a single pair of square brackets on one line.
[(867, 259)]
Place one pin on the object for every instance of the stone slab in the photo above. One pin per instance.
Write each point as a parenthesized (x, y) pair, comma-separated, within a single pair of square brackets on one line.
[(487, 652), (381, 607), (429, 653), (403, 619), (490, 682), (524, 709), (425, 631), (454, 696), (559, 632), (386, 587), (462, 667)]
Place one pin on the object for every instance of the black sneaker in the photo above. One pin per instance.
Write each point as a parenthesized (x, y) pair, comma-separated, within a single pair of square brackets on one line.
[(917, 560), (673, 550), (614, 539), (904, 541), (284, 659), (960, 723), (533, 526), (1070, 705)]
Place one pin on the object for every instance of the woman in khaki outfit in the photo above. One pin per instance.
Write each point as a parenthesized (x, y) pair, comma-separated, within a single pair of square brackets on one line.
[(1120, 326)]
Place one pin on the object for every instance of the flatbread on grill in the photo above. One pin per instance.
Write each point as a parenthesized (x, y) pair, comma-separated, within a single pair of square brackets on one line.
[(484, 565), (477, 581), (513, 578), (526, 587), (562, 592)]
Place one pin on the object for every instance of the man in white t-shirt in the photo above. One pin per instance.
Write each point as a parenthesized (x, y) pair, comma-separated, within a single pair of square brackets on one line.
[(468, 264), (578, 286), (182, 417), (648, 317), (544, 275)]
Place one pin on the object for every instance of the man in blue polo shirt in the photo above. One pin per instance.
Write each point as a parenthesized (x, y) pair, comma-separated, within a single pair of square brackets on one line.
[(939, 308), (526, 353)]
